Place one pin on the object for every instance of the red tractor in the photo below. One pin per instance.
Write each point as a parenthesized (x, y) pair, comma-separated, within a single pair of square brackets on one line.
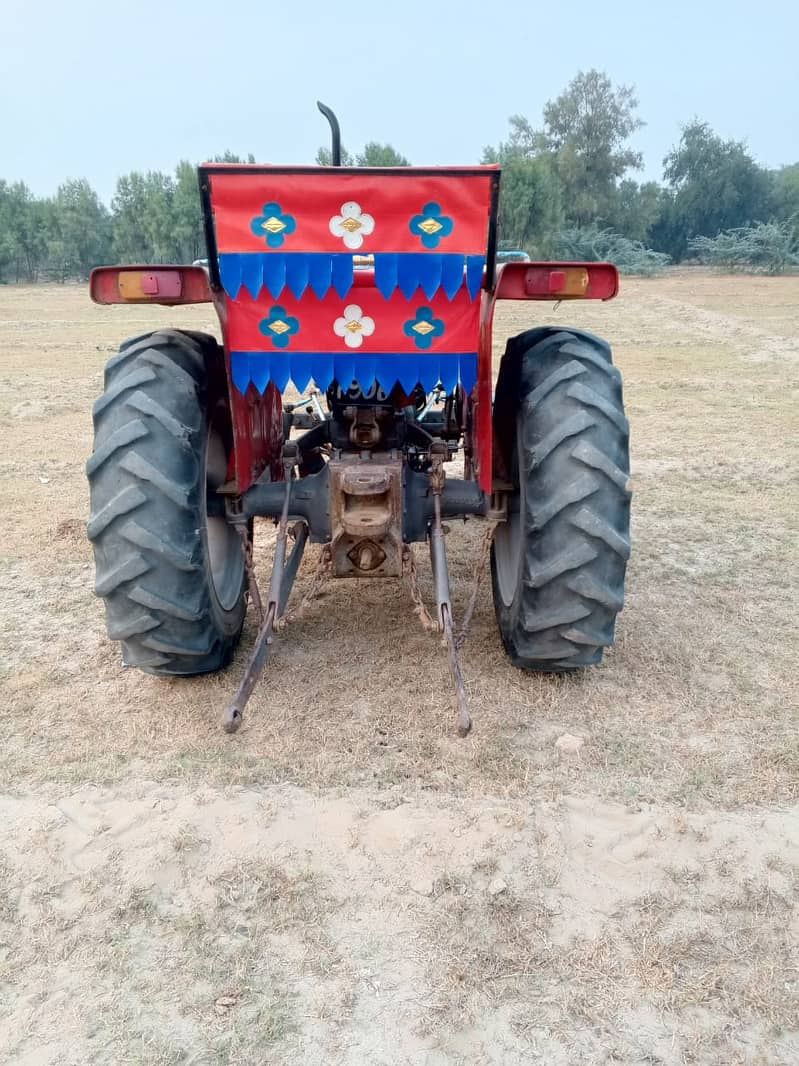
[(378, 286)]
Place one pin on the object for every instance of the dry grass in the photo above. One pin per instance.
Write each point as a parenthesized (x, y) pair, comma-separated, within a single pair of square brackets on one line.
[(171, 894)]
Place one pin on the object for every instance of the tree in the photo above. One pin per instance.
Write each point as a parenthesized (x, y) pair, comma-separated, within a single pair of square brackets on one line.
[(636, 210), (159, 218), (231, 157), (715, 185), (785, 195), (23, 244), (324, 158), (187, 221), (586, 130), (79, 226), (131, 241), (530, 206), (373, 155), (381, 155)]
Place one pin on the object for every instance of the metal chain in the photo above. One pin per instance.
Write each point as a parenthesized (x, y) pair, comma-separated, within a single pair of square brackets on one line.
[(482, 565), (249, 567), (410, 573), (320, 575), (411, 576)]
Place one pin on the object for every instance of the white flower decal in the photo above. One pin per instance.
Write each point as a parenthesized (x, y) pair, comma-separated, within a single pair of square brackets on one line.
[(351, 225), (354, 326)]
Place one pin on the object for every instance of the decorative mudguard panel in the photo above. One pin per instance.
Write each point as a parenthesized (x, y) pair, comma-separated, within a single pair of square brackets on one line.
[(288, 253)]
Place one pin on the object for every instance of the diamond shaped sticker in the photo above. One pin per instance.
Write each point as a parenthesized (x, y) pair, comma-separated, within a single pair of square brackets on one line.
[(423, 327), (274, 225), (430, 225)]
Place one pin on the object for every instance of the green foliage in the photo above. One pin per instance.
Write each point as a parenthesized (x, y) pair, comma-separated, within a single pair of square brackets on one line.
[(765, 248), (715, 185), (593, 245), (785, 196), (570, 169), (530, 208), (23, 236), (79, 231), (381, 155), (324, 158), (373, 155), (586, 130), (636, 210)]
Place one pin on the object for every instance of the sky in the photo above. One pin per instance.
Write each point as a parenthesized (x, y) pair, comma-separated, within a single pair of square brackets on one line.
[(92, 89)]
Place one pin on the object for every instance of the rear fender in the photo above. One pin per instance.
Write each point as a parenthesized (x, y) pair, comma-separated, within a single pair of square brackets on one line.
[(524, 281)]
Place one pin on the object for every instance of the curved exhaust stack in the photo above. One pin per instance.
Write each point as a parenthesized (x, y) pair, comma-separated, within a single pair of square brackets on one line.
[(335, 132)]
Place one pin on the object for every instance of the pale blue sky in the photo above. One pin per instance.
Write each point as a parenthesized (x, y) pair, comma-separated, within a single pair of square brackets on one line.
[(91, 88)]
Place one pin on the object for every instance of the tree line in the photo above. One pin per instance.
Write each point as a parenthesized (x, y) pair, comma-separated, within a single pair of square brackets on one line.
[(568, 189)]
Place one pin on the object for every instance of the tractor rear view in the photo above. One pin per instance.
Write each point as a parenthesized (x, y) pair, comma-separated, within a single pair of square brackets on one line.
[(372, 292)]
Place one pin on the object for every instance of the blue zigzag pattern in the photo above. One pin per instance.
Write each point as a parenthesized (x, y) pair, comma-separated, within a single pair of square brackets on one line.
[(298, 271), (300, 368)]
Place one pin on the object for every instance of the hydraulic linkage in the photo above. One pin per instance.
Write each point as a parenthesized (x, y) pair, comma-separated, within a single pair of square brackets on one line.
[(284, 571), (438, 559)]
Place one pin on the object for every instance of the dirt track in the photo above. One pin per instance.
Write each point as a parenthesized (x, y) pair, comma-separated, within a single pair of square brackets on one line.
[(345, 882)]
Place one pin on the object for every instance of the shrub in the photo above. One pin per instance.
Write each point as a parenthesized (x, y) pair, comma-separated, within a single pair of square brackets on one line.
[(763, 248), (593, 244)]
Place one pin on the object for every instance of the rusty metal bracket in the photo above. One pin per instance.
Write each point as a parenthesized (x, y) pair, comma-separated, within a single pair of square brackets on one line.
[(283, 573)]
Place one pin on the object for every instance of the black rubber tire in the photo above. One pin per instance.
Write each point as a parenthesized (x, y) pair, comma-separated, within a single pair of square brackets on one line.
[(558, 564), (161, 425)]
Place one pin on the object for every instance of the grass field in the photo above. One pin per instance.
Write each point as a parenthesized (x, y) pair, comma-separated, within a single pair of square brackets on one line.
[(346, 882)]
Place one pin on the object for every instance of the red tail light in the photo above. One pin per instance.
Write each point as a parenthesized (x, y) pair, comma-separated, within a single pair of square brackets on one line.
[(557, 281)]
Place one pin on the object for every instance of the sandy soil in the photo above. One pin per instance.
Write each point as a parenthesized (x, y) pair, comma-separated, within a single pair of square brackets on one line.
[(344, 881)]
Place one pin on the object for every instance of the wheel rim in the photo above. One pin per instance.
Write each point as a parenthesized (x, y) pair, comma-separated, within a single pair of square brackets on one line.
[(508, 551), (508, 540), (225, 559)]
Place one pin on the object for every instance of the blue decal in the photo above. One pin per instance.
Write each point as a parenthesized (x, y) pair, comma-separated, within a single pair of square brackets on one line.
[(320, 269), (342, 271), (273, 271), (344, 367), (386, 273), (280, 369), (252, 274), (298, 269), (274, 225), (424, 328), (279, 327), (230, 273), (323, 370), (474, 273), (260, 370), (468, 372), (428, 372), (431, 225), (401, 368), (448, 371), (302, 370), (430, 268), (240, 370), (408, 273)]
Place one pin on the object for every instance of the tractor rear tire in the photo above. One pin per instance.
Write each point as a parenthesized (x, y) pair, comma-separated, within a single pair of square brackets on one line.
[(172, 577), (558, 562)]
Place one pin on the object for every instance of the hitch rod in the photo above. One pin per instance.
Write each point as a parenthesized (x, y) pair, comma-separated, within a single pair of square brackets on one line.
[(276, 600)]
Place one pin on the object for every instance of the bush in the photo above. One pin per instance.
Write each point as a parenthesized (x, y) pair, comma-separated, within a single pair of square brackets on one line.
[(593, 244), (764, 248)]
